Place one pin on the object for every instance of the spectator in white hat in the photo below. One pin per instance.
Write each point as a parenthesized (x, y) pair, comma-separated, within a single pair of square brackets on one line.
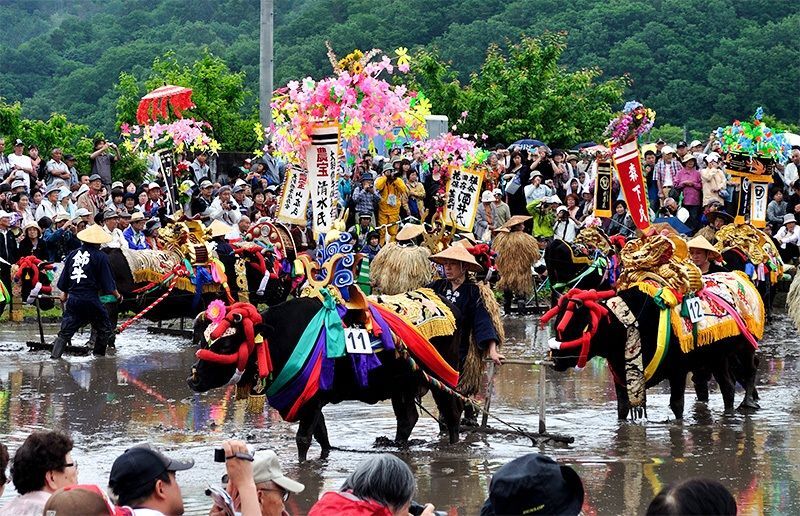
[(789, 238), (50, 207)]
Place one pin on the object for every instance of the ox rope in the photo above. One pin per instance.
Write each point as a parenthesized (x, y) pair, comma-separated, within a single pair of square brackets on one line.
[(178, 274), (433, 382)]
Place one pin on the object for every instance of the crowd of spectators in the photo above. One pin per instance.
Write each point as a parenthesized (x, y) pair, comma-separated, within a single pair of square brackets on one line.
[(145, 482)]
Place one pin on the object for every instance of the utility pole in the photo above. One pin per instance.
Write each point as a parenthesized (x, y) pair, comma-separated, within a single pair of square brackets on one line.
[(265, 88)]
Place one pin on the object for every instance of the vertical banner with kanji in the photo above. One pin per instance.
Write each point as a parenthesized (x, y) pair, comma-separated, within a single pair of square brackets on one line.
[(294, 197), (743, 208), (321, 162), (758, 203), (602, 190), (463, 196), (628, 163)]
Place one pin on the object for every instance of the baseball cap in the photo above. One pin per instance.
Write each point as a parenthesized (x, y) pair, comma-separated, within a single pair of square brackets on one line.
[(695, 143), (95, 177), (666, 149), (134, 471), (5, 215), (534, 484), (117, 184), (497, 192), (110, 213), (238, 188), (18, 142), (660, 141), (712, 156), (266, 467), (681, 143), (69, 157), (82, 212), (205, 183), (154, 185)]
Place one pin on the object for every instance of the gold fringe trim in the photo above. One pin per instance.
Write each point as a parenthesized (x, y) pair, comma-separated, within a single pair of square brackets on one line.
[(185, 284), (397, 269), (256, 403), (516, 253)]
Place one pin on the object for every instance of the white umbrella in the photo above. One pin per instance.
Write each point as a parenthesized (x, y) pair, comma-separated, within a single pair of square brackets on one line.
[(792, 139)]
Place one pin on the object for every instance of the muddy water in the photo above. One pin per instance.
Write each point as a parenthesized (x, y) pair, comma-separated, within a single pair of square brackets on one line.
[(139, 394)]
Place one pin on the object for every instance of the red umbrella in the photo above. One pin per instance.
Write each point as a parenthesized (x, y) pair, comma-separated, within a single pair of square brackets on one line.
[(155, 103)]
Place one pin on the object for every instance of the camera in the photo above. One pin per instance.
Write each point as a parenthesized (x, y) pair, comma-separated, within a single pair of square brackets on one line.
[(219, 455), (416, 509)]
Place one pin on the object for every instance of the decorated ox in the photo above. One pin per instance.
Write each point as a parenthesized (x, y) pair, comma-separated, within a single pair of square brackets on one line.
[(647, 336), (294, 354), (36, 277), (588, 263)]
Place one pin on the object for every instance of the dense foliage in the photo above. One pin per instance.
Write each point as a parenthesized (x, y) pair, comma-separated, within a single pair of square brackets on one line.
[(697, 63)]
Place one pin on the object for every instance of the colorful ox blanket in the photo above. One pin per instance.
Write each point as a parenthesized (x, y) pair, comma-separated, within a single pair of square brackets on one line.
[(729, 300), (423, 309), (411, 319)]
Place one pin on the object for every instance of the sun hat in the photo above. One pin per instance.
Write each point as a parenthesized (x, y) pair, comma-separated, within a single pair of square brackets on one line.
[(536, 173), (700, 242), (5, 215), (487, 196), (457, 253), (18, 183), (110, 213), (81, 190), (497, 192), (95, 177), (516, 219), (387, 167), (718, 214), (29, 225), (689, 157), (94, 234), (666, 149), (154, 185), (409, 232), (789, 217), (51, 189), (137, 216), (61, 217), (82, 212), (219, 228), (266, 468), (534, 484), (553, 199), (712, 156)]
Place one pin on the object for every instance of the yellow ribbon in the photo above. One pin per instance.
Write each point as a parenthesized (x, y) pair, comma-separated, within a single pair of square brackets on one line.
[(668, 300)]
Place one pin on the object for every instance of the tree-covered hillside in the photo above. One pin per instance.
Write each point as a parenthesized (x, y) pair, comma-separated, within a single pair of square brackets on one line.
[(695, 62)]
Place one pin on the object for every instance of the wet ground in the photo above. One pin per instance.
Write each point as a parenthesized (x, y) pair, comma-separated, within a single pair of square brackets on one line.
[(139, 394)]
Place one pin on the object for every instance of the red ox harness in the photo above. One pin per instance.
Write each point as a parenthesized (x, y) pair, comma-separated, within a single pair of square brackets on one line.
[(567, 304), (32, 264), (248, 316)]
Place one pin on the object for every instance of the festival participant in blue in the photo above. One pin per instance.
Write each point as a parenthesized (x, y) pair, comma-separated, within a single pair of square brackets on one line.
[(476, 323), (134, 234), (86, 273)]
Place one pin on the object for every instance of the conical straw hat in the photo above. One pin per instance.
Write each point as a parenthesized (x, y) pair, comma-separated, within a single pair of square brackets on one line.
[(94, 234), (700, 242), (457, 253), (409, 231), (219, 228)]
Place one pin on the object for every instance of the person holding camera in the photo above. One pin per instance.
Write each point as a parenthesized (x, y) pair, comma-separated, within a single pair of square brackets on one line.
[(380, 486), (224, 208), (392, 189), (102, 160)]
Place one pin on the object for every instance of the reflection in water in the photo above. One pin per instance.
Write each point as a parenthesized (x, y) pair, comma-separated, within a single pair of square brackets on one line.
[(139, 394)]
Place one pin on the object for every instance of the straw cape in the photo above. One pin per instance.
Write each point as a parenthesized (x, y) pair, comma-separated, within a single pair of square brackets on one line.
[(457, 253), (94, 234), (700, 242), (398, 268), (517, 251)]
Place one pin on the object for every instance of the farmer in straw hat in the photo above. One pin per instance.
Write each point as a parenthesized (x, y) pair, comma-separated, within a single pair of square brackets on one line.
[(479, 323), (705, 255), (86, 273)]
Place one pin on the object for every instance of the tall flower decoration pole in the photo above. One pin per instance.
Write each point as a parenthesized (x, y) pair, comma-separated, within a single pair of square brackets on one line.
[(357, 97), (751, 151), (623, 131)]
